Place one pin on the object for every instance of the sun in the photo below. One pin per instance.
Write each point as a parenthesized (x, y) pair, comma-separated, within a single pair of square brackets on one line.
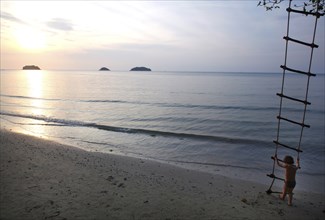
[(30, 39)]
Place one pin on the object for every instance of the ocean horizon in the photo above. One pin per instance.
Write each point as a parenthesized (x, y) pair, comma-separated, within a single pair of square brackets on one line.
[(158, 71)]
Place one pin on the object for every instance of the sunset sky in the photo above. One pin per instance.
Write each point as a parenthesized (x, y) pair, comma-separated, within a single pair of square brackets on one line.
[(162, 35)]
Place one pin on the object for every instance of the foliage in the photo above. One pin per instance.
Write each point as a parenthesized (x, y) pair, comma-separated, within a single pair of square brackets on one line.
[(307, 6)]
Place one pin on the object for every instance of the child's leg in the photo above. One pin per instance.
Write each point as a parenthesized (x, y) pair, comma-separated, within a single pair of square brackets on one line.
[(290, 195), (284, 192)]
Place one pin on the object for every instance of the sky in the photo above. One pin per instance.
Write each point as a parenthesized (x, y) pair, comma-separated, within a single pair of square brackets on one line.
[(234, 36)]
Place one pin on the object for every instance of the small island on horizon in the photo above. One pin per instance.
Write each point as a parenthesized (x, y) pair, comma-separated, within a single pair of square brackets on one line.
[(140, 69), (31, 67), (104, 69)]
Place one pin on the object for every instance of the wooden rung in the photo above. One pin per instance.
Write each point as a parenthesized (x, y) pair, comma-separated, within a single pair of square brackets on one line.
[(270, 191), (293, 122), (274, 177), (317, 14), (294, 99), (297, 71), (301, 42), (286, 146), (273, 158)]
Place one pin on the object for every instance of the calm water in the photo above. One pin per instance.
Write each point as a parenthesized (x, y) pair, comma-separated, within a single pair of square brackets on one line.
[(217, 122)]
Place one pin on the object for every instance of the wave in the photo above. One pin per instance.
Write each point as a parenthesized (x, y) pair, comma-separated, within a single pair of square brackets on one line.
[(261, 169), (215, 164), (178, 105), (168, 105), (152, 133), (29, 97), (3, 103), (46, 119)]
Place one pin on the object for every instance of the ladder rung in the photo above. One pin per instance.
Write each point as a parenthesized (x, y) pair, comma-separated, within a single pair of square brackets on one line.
[(317, 14), (297, 71), (274, 177), (273, 158), (270, 191), (301, 42), (286, 146), (294, 122), (294, 99)]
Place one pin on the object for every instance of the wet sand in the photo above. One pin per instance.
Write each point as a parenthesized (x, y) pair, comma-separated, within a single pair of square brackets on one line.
[(40, 179)]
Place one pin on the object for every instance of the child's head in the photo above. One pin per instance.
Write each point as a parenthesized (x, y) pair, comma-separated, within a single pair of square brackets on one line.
[(288, 160)]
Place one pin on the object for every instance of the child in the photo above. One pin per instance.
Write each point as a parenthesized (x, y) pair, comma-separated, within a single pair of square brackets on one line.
[(290, 176)]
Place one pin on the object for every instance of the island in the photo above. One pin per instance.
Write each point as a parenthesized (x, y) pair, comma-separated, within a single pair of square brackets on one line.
[(140, 69), (31, 67), (104, 69)]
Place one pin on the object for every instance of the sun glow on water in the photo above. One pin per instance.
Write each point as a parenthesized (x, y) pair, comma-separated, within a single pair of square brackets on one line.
[(35, 90), (35, 85)]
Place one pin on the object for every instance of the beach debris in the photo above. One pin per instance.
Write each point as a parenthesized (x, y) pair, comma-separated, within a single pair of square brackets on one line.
[(245, 201), (110, 178), (34, 207), (281, 212), (121, 185), (57, 213)]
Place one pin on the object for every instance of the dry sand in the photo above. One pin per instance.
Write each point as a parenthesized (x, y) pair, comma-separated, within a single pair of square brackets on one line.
[(45, 180)]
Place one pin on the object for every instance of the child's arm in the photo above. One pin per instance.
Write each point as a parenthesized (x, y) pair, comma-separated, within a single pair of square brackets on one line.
[(279, 164), (298, 163)]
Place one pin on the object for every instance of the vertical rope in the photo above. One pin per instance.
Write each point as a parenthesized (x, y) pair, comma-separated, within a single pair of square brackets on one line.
[(283, 79), (281, 98), (307, 87), (282, 86)]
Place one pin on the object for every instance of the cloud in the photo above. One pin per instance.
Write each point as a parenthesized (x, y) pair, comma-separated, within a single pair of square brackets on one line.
[(60, 24), (10, 17)]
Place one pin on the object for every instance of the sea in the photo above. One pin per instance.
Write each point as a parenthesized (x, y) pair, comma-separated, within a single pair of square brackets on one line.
[(216, 122)]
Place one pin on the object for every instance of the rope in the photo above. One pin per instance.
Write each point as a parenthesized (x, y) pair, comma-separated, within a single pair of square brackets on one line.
[(308, 80), (289, 10), (281, 99)]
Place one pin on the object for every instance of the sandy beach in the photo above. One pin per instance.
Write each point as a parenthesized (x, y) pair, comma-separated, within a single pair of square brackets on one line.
[(41, 179)]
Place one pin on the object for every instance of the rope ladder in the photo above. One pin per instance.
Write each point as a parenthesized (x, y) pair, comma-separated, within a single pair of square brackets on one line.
[(279, 143)]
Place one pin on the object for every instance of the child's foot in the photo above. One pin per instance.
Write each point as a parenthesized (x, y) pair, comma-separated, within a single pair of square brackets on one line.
[(281, 197)]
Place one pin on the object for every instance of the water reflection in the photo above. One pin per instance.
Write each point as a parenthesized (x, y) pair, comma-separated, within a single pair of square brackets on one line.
[(35, 89)]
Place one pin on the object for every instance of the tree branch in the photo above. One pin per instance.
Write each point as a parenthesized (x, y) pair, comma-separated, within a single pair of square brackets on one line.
[(312, 6)]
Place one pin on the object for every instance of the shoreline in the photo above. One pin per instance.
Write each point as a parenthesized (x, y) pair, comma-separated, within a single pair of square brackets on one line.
[(306, 182), (43, 179)]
